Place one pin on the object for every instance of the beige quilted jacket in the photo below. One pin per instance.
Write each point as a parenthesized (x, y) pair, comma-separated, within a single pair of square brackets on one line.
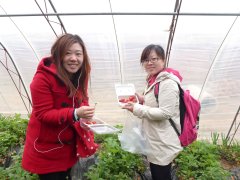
[(162, 140)]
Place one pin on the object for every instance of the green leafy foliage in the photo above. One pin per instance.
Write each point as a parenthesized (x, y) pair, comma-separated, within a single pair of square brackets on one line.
[(113, 162), (214, 137), (200, 160), (235, 152), (12, 135), (228, 150), (15, 171), (230, 153)]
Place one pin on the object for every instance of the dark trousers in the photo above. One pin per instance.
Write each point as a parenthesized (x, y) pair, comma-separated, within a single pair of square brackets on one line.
[(63, 175), (160, 172)]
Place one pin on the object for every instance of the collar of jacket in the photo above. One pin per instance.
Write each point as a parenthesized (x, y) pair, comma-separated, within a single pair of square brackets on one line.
[(161, 77)]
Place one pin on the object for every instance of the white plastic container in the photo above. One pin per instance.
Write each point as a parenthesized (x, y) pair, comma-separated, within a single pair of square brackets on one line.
[(103, 129), (125, 93), (98, 126)]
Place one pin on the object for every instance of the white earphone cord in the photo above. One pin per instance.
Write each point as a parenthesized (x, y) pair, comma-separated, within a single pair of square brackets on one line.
[(62, 144), (58, 147)]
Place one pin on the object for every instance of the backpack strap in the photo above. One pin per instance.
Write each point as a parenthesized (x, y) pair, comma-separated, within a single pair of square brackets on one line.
[(174, 127), (156, 91)]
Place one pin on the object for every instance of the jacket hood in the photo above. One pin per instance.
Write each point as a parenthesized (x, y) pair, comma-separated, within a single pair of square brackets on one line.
[(169, 73), (47, 65)]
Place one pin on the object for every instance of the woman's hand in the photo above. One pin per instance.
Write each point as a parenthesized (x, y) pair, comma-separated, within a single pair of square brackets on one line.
[(140, 98), (86, 112), (129, 106)]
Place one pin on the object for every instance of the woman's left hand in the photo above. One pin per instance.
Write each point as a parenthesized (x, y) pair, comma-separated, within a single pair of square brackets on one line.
[(129, 106)]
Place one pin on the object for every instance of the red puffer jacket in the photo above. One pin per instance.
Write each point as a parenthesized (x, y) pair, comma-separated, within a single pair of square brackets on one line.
[(53, 142)]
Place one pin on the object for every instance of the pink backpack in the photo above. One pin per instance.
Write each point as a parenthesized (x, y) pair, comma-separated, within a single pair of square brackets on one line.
[(189, 116)]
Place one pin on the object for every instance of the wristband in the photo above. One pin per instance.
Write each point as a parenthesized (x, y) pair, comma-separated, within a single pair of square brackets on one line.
[(75, 115)]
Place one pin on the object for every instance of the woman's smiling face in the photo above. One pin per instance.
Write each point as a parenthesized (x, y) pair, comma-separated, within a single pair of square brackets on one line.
[(153, 64), (73, 58)]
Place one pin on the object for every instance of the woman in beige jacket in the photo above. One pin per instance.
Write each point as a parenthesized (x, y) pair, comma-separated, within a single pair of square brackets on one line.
[(162, 139)]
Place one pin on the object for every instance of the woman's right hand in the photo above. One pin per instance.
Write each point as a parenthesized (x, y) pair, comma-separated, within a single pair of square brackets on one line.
[(129, 106), (86, 112)]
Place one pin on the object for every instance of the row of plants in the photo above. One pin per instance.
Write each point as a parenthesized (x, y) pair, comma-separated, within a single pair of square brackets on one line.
[(202, 160), (12, 135), (113, 162)]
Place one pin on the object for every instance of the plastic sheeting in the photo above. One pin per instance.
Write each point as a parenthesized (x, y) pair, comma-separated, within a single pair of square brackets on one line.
[(205, 49)]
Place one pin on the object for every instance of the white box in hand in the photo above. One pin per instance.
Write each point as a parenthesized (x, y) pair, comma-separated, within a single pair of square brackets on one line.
[(125, 93)]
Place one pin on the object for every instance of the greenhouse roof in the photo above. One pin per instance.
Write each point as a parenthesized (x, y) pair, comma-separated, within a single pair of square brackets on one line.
[(201, 39)]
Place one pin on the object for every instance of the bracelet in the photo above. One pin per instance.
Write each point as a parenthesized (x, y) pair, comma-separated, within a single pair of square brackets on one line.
[(76, 116)]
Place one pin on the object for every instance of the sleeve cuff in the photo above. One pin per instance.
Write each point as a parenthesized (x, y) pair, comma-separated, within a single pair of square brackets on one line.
[(76, 118)]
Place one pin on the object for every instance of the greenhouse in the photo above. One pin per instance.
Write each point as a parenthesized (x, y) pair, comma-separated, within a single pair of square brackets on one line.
[(200, 39)]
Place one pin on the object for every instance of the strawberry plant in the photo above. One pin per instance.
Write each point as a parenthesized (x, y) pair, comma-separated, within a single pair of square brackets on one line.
[(15, 171), (114, 163), (12, 135), (200, 160)]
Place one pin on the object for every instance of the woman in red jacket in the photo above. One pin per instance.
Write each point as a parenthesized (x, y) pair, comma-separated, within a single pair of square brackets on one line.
[(60, 100)]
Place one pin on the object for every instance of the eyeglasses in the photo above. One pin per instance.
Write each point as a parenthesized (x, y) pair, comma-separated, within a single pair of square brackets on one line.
[(152, 60)]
